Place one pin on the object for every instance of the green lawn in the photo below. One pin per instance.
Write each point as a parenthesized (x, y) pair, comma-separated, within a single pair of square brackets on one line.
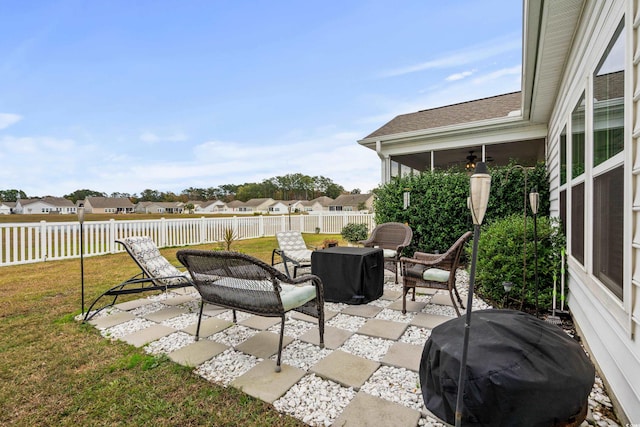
[(56, 371)]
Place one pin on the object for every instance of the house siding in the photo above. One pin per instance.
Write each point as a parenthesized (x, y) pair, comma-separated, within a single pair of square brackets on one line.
[(608, 325)]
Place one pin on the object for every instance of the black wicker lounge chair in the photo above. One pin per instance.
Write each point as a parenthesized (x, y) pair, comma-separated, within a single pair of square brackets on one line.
[(241, 282), (156, 273)]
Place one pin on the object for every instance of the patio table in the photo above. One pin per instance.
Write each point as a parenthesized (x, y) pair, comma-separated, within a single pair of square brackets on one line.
[(350, 275)]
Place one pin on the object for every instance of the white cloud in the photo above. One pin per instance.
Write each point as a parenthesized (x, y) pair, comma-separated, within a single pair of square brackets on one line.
[(472, 54), (499, 74), (7, 119), (152, 138), (459, 76)]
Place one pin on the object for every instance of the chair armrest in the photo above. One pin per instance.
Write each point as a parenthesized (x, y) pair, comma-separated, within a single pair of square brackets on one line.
[(366, 243), (429, 260)]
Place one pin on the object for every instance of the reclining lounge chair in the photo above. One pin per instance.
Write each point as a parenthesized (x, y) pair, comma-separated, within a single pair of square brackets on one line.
[(292, 249), (156, 273)]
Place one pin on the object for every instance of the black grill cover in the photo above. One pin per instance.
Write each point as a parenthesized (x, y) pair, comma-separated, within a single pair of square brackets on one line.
[(520, 371)]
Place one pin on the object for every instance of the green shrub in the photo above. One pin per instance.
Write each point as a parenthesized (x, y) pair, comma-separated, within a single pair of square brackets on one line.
[(438, 213), (500, 259), (353, 232)]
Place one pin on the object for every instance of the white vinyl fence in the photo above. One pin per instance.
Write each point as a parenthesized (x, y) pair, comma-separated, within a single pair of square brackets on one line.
[(22, 243)]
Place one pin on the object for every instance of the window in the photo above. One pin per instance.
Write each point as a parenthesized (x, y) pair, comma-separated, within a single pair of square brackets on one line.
[(577, 222), (563, 156), (577, 139), (608, 178), (608, 102), (563, 211), (607, 229)]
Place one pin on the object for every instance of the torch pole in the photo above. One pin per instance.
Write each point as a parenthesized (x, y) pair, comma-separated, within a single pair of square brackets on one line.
[(479, 186), (467, 327)]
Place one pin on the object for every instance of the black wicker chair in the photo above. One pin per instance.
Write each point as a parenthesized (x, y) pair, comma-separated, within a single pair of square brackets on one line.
[(392, 238), (156, 273), (242, 282), (436, 271)]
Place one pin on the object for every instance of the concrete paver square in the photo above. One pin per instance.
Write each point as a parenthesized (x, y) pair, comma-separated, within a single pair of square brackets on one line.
[(209, 326), (134, 303), (386, 329), (363, 310), (263, 344), (442, 299), (413, 306), (345, 368), (164, 314), (366, 410), (404, 355), (263, 382), (147, 335), (260, 322), (333, 337), (184, 291), (391, 295), (430, 321), (197, 353), (178, 299), (301, 316), (213, 310), (111, 320)]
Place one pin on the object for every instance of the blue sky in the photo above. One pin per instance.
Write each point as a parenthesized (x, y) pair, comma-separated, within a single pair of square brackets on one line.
[(121, 96)]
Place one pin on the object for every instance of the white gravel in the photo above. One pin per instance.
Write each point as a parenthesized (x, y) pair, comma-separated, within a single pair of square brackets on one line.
[(123, 329), (346, 322), (398, 385), (316, 401), (227, 366), (368, 347)]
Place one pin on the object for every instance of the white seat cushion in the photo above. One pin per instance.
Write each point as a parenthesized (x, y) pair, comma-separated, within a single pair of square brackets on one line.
[(295, 296), (389, 253), (299, 255), (292, 296), (436, 275)]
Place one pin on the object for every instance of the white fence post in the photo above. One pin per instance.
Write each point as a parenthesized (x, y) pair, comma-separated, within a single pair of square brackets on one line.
[(261, 226), (163, 232), (43, 240), (203, 230), (112, 236)]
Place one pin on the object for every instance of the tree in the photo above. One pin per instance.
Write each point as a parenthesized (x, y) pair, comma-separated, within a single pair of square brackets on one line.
[(12, 195), (83, 194), (149, 195)]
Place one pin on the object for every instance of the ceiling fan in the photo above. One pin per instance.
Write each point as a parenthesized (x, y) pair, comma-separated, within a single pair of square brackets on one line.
[(471, 160)]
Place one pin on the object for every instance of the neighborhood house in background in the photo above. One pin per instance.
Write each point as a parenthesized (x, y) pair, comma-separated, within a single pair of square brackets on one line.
[(117, 205)]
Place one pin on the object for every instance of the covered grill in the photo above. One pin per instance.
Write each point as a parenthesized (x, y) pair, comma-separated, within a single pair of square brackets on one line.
[(520, 371)]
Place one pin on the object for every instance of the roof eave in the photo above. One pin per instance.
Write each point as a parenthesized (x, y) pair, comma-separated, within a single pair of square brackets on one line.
[(443, 130)]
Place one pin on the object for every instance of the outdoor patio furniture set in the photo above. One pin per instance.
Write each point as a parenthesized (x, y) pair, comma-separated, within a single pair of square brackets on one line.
[(242, 282)]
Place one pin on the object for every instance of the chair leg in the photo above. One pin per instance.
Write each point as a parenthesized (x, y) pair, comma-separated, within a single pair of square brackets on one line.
[(405, 291), (458, 295), (199, 320), (278, 367), (454, 302)]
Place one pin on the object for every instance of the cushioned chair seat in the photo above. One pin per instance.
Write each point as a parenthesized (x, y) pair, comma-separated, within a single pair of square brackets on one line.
[(436, 275), (389, 253), (292, 296)]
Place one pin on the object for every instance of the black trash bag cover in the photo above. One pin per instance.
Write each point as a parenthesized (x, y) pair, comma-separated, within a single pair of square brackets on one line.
[(520, 371)]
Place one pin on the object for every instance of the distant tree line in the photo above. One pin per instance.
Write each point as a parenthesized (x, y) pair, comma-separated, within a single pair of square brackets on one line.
[(295, 186)]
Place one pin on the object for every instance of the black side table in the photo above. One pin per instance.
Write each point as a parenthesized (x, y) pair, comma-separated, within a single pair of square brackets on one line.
[(350, 275)]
